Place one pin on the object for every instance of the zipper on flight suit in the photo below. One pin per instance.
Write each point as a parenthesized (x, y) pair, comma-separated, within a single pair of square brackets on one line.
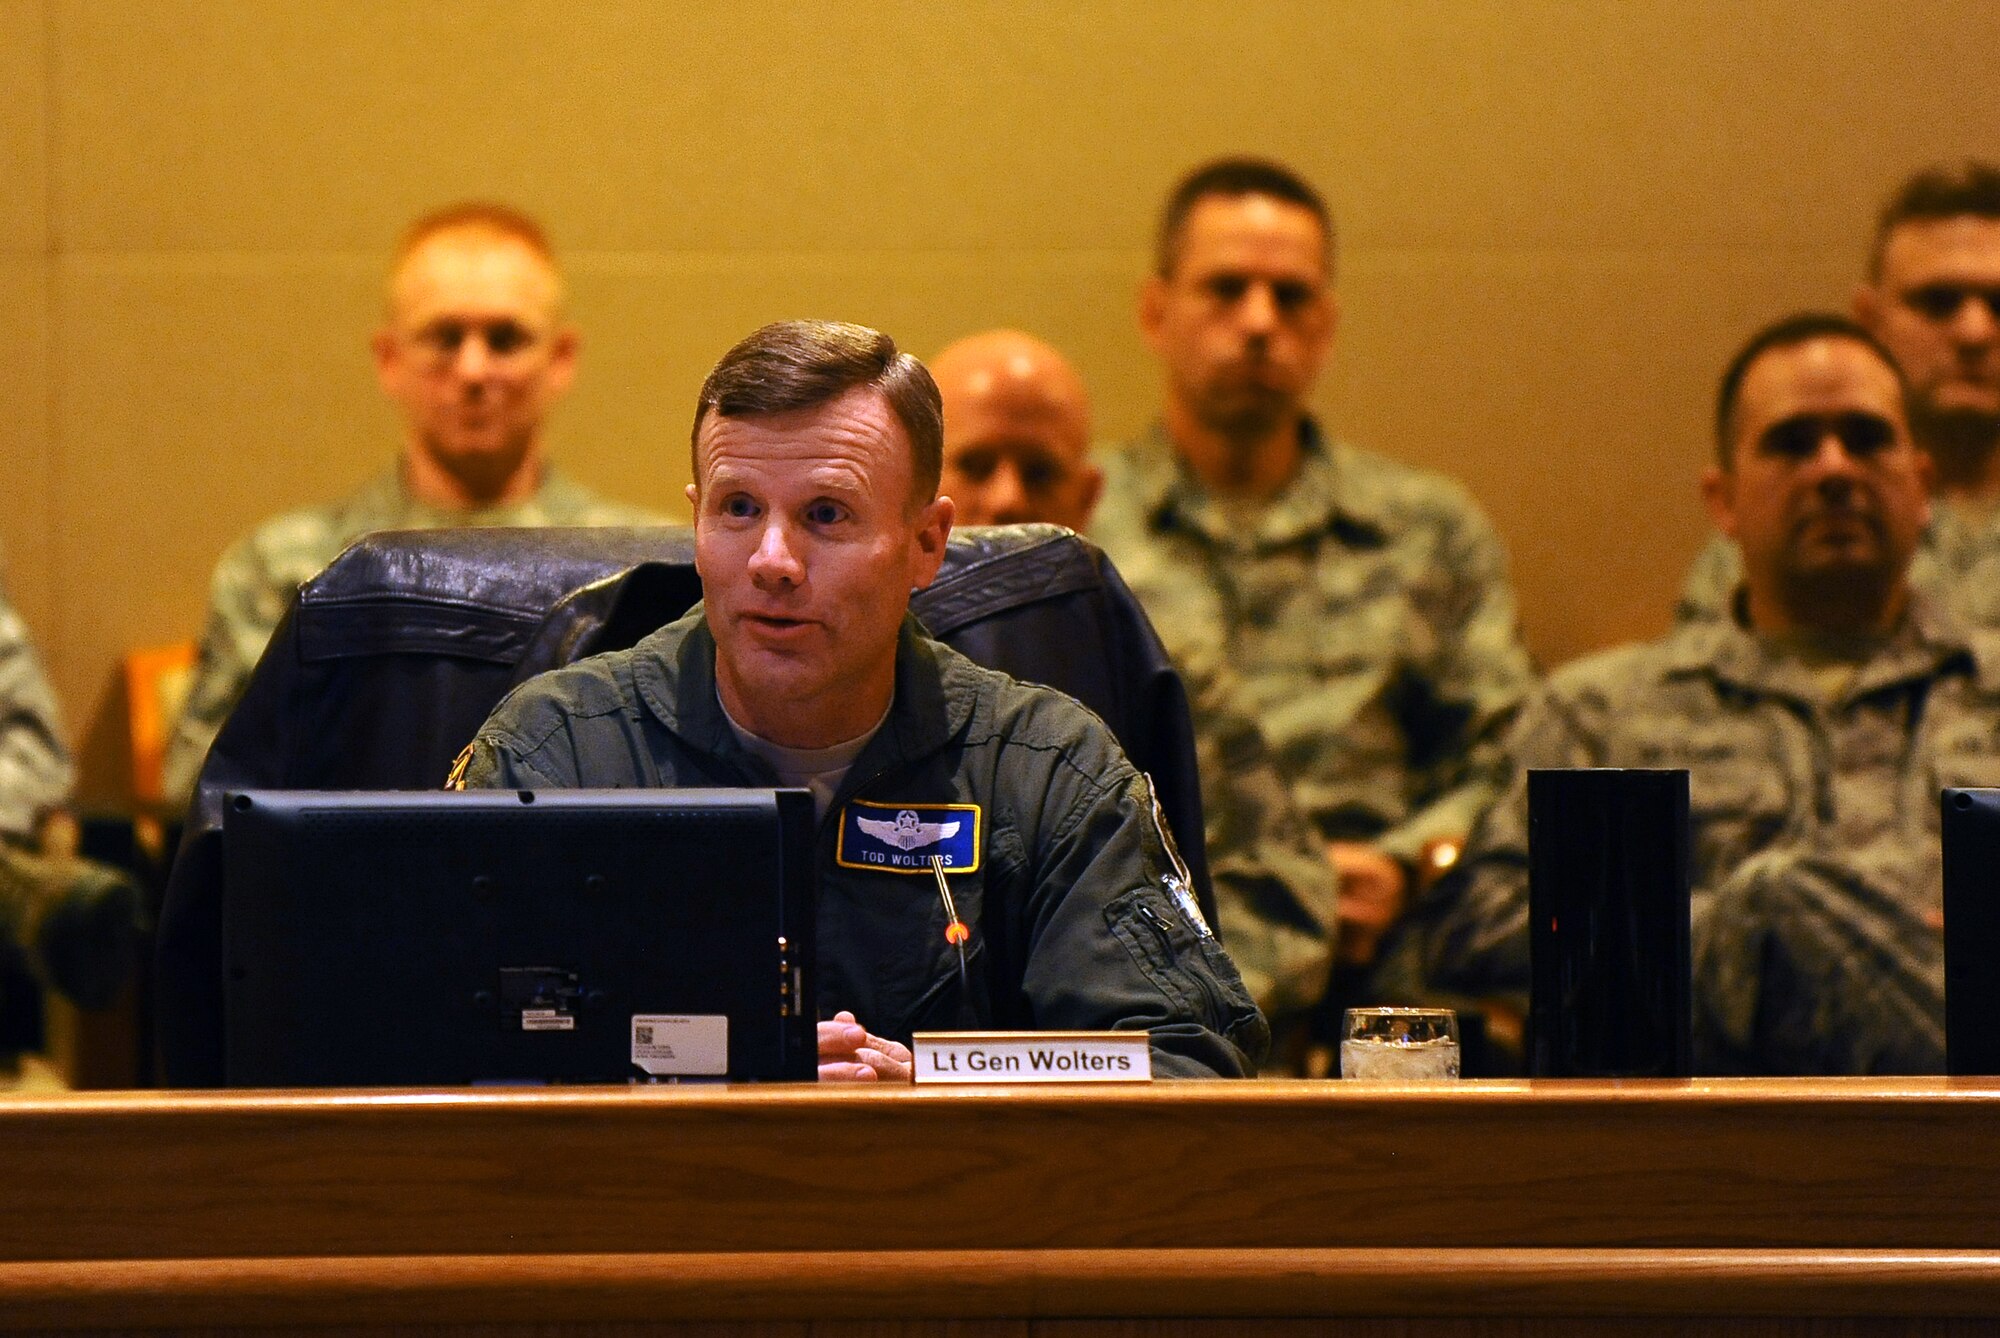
[(1164, 933), (973, 949)]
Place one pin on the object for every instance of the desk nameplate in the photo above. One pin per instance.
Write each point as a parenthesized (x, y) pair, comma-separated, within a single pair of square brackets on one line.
[(1033, 1056)]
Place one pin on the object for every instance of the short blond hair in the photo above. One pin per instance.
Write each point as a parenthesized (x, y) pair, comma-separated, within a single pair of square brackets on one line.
[(484, 222), (498, 220)]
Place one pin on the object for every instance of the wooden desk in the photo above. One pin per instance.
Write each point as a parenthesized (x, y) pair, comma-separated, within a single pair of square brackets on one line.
[(785, 1210)]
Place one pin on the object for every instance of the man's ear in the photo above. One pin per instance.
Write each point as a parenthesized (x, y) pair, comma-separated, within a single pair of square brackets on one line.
[(1323, 338), (1093, 489), (1718, 493), (1152, 310), (1869, 307), (693, 495), (933, 530), (563, 349), (383, 352)]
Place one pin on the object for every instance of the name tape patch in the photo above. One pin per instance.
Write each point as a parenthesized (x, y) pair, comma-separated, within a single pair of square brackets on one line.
[(903, 838)]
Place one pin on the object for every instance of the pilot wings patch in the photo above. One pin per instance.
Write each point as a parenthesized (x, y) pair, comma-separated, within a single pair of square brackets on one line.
[(903, 838)]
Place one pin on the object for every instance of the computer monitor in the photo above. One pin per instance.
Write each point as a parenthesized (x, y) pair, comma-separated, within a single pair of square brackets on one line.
[(1970, 827), (424, 938)]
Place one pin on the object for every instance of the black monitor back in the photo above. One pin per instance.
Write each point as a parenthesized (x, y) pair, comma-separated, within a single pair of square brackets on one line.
[(1970, 825), (431, 937)]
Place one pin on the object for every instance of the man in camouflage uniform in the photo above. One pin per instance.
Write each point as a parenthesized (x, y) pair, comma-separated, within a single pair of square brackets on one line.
[(1017, 448), (1933, 298), (474, 352), (1817, 725), (35, 770), (817, 450), (64, 921), (1363, 603)]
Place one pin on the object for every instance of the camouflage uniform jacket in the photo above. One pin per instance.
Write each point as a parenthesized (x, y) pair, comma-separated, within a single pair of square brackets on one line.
[(1075, 920), (1275, 889), (1774, 770), (35, 770), (258, 576), (1368, 617)]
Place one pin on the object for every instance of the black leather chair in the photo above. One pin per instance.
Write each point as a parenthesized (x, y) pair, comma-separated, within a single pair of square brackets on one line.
[(393, 656)]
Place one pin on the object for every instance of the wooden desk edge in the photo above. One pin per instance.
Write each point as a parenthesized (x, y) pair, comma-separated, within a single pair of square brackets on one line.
[(1027, 1284), (788, 1098)]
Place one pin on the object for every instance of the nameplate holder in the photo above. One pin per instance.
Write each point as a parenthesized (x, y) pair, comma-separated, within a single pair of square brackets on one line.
[(1032, 1056)]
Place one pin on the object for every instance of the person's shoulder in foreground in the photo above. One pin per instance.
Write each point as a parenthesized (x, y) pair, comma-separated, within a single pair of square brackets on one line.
[(817, 453)]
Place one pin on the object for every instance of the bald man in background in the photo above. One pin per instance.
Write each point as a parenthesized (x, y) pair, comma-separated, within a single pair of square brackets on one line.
[(474, 351), (1017, 449), (1016, 433)]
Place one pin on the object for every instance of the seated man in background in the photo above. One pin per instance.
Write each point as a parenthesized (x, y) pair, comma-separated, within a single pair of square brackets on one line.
[(64, 921), (1817, 724), (35, 770), (816, 462), (1932, 297), (1017, 449), (1363, 604), (474, 351)]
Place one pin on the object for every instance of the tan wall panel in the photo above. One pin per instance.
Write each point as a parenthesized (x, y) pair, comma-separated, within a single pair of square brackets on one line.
[(27, 517), (24, 126), (196, 398), (1572, 392), (751, 126), (653, 327), (1557, 220)]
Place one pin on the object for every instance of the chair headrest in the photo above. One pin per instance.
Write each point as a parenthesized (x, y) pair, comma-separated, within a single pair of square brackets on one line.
[(482, 592)]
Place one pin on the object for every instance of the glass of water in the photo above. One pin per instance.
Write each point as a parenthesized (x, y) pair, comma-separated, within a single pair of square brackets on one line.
[(1399, 1044)]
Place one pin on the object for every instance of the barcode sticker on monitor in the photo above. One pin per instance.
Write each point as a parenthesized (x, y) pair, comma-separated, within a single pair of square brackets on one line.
[(667, 1044)]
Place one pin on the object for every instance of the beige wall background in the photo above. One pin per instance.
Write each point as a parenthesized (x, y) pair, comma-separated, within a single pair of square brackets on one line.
[(1557, 219)]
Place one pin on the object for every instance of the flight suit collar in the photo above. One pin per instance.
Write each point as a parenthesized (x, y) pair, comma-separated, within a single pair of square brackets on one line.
[(1326, 495), (673, 672)]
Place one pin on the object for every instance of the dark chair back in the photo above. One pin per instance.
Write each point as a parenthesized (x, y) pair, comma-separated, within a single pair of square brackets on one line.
[(392, 658)]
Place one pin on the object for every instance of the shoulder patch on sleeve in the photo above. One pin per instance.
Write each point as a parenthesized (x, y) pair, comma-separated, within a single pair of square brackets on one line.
[(455, 778)]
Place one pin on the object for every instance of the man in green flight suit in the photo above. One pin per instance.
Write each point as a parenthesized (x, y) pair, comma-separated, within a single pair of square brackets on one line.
[(816, 463)]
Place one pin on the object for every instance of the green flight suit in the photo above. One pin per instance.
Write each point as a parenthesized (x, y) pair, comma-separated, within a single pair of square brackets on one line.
[(1078, 918)]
